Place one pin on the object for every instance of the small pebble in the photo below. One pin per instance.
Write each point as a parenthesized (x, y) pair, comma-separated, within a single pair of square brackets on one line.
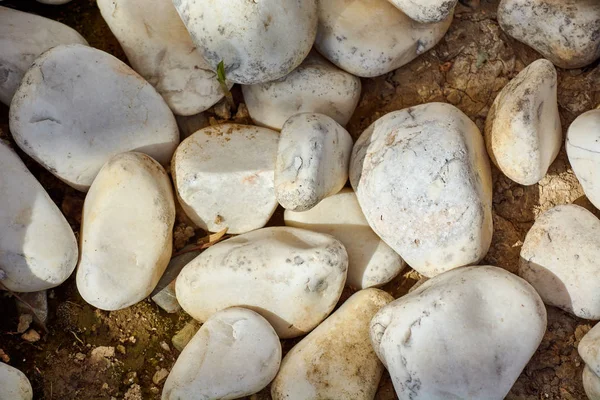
[(31, 336), (183, 337), (160, 376)]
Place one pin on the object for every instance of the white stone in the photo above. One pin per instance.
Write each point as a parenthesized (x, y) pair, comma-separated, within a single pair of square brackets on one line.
[(161, 50), (290, 276), (563, 31), (315, 86), (560, 259), (426, 11), (371, 262), (589, 349), (523, 131), (14, 385), (127, 232), (465, 334), (257, 41), (236, 353), (224, 176), (38, 249), (23, 37), (583, 149), (336, 360), (78, 106), (372, 37), (312, 161), (591, 384), (423, 181)]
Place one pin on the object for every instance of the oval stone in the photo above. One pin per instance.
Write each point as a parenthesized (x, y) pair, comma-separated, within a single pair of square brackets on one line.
[(14, 385), (426, 11)]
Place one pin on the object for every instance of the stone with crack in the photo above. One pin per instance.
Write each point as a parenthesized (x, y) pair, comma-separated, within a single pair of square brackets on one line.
[(426, 11), (24, 37), (465, 334), (369, 38), (423, 181), (312, 161), (161, 50), (292, 277), (560, 259), (14, 385), (566, 32), (583, 150), (236, 353), (336, 360), (523, 131)]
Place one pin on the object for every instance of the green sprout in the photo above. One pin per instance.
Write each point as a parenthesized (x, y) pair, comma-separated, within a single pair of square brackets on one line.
[(221, 77)]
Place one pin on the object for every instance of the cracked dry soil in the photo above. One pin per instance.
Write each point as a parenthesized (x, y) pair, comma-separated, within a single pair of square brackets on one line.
[(468, 69)]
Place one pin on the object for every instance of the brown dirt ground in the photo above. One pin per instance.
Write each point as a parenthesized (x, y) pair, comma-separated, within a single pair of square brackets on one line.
[(468, 68)]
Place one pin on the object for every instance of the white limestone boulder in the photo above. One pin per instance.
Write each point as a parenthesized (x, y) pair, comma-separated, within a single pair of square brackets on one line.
[(161, 50), (290, 276), (563, 31), (312, 161), (583, 149), (234, 354), (257, 41), (423, 181), (523, 131), (371, 262), (78, 106), (560, 259), (465, 334), (368, 38), (23, 37), (127, 232), (14, 385), (315, 86), (224, 176), (38, 249), (336, 360), (426, 11)]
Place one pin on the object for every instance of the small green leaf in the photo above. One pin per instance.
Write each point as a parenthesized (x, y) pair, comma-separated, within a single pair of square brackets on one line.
[(221, 72)]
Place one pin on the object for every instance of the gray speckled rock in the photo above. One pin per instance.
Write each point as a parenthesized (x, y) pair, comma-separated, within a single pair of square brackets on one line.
[(160, 49), (465, 334), (336, 360), (315, 86), (423, 181), (523, 132), (564, 31), (258, 41), (38, 249), (14, 385), (372, 37), (560, 259), (23, 37), (236, 353), (78, 106), (312, 161), (224, 176), (426, 11), (591, 384), (290, 276), (583, 149), (371, 262)]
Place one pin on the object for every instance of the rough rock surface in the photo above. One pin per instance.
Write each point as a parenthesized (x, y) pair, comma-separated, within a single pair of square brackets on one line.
[(426, 11)]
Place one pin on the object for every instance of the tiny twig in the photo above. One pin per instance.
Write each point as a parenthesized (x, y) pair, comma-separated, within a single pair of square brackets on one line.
[(77, 337)]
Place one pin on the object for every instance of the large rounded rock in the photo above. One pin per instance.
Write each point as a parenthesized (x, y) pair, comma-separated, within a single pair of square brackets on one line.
[(257, 41), (23, 37), (563, 31), (523, 132), (372, 37), (371, 262), (290, 276), (426, 11), (14, 385), (234, 354), (423, 180), (465, 334), (312, 161), (315, 86), (336, 360), (160, 49), (560, 259), (591, 384), (583, 149), (78, 106), (224, 176), (38, 249), (127, 232)]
